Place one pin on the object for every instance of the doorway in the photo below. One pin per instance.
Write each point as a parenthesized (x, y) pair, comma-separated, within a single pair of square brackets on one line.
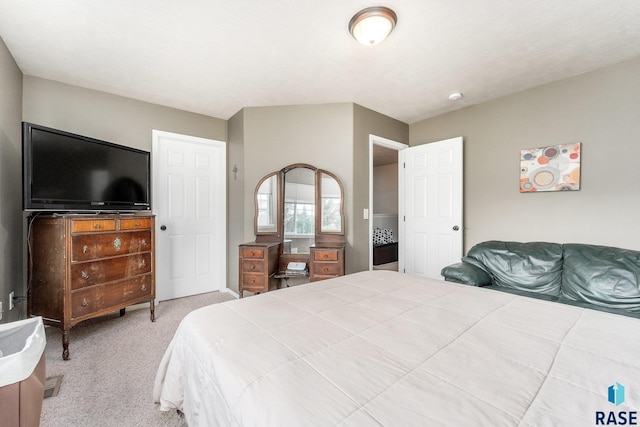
[(383, 203)]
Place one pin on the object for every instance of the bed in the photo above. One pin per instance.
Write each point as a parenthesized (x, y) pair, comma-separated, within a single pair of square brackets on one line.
[(384, 348)]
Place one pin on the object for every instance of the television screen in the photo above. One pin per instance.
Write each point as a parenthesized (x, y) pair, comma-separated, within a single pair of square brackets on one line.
[(68, 172)]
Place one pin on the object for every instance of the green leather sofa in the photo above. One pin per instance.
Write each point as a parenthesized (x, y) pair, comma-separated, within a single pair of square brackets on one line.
[(600, 277)]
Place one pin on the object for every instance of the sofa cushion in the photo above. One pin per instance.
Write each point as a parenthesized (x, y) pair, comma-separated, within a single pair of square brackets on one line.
[(529, 267), (602, 275), (467, 273)]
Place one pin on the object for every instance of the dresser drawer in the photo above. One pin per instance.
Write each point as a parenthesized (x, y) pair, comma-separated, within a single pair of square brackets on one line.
[(135, 223), (86, 247), (325, 255), (253, 253), (88, 225), (95, 272), (103, 297), (252, 266)]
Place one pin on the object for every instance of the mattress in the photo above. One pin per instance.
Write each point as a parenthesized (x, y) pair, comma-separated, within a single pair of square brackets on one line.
[(385, 348)]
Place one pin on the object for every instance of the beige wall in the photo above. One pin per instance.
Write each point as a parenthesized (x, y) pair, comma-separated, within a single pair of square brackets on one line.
[(601, 109), (385, 189), (11, 243), (235, 196), (116, 119), (367, 122), (275, 137), (110, 117), (334, 137)]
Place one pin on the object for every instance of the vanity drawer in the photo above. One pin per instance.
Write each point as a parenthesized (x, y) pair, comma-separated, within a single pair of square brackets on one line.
[(256, 253), (326, 262), (252, 266), (325, 255), (326, 269), (86, 247), (253, 282), (95, 272)]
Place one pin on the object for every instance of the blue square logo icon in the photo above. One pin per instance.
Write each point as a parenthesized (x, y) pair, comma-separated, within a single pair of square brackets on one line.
[(616, 394)]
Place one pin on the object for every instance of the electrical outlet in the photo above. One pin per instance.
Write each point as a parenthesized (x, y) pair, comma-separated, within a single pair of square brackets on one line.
[(11, 300)]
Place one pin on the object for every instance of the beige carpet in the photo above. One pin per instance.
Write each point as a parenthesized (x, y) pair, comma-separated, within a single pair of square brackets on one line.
[(109, 379)]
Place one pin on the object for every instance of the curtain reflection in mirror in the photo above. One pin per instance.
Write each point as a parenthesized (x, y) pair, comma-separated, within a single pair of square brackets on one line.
[(267, 205), (331, 202)]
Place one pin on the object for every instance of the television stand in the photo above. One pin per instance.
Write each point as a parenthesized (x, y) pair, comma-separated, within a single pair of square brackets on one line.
[(85, 266)]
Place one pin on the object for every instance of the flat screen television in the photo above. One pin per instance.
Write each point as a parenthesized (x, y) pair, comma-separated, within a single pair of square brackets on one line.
[(63, 172)]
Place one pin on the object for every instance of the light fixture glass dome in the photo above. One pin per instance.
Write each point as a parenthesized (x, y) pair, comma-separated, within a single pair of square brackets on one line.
[(372, 25)]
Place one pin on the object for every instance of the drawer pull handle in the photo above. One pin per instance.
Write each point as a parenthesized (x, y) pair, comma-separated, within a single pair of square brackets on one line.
[(144, 242), (326, 270), (253, 267), (96, 226), (85, 249), (253, 280), (137, 224), (143, 288), (253, 254), (85, 275), (326, 256), (117, 243), (143, 263), (85, 303)]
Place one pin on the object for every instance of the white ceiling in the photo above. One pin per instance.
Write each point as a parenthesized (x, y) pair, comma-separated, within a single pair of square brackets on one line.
[(217, 56)]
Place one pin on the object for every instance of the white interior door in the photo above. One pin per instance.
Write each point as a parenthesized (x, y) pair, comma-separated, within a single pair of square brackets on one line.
[(189, 200), (431, 204)]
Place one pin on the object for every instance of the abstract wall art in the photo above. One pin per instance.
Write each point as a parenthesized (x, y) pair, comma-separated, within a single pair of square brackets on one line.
[(552, 168)]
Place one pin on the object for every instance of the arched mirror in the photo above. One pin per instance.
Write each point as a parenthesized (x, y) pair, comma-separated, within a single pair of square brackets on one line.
[(299, 214), (299, 206), (299, 227), (267, 202), (331, 206)]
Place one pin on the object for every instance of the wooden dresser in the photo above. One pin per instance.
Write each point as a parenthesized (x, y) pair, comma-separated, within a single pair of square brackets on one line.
[(258, 265), (85, 266), (326, 262)]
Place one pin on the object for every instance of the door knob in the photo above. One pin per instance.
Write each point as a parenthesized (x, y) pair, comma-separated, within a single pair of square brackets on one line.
[(456, 228), (163, 227)]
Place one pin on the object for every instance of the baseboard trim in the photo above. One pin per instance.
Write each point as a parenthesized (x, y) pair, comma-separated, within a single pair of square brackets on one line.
[(232, 292)]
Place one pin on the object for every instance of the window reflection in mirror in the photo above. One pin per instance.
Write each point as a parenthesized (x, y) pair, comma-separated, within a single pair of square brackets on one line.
[(299, 210), (267, 205), (331, 200)]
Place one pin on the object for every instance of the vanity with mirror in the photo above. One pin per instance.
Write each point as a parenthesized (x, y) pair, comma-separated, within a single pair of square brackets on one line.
[(299, 227)]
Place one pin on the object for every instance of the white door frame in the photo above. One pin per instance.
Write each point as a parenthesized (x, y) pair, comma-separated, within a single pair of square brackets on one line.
[(394, 145)]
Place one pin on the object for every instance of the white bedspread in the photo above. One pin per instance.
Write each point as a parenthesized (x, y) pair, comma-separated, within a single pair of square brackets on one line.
[(383, 348)]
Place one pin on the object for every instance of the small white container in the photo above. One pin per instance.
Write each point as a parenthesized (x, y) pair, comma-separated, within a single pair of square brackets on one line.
[(22, 371)]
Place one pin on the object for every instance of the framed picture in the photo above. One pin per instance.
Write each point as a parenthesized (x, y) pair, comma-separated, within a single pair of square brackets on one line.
[(552, 168)]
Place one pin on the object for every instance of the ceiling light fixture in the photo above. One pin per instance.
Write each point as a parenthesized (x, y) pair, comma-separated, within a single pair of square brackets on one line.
[(372, 25)]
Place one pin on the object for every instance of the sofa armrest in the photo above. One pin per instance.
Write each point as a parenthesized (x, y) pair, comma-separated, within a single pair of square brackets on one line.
[(466, 273)]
